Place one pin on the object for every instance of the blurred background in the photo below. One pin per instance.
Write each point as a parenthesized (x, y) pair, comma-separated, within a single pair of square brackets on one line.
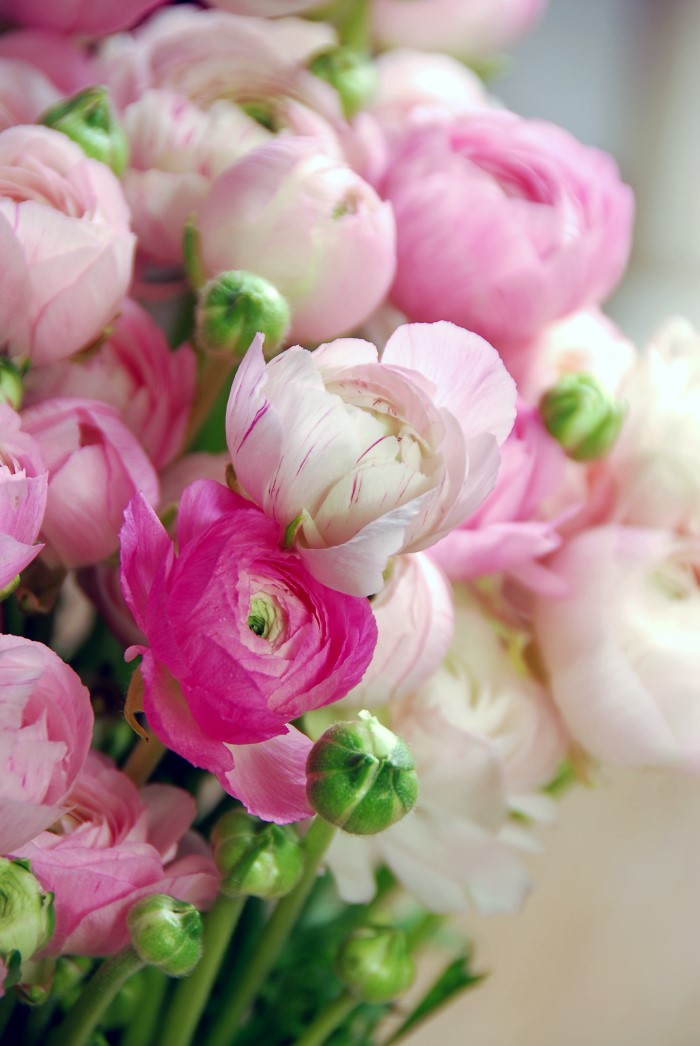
[(606, 951)]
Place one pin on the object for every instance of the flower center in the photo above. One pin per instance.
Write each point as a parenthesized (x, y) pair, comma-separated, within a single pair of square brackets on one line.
[(264, 617)]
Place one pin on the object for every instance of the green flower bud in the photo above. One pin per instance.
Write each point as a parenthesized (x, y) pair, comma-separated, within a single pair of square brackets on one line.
[(11, 387), (360, 776), (255, 857), (234, 307), (353, 75), (166, 933), (582, 416), (375, 964), (26, 911), (88, 119)]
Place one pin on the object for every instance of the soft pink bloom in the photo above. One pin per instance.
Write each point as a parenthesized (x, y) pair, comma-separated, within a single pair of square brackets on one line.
[(67, 245), (25, 93), (136, 372), (95, 466), (23, 489), (467, 28), (114, 845), (310, 225), (504, 224), (87, 17), (242, 640), (45, 732), (622, 649), (507, 532), (67, 63), (370, 459)]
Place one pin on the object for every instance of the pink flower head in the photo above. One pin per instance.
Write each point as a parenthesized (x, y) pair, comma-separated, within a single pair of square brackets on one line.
[(23, 488), (95, 466), (364, 459), (114, 845), (242, 640), (45, 732), (88, 17), (25, 93), (65, 62), (136, 372), (66, 245), (504, 224)]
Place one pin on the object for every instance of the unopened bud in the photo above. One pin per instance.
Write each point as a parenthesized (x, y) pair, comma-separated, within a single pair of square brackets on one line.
[(27, 921), (166, 933), (11, 387), (353, 75), (375, 964), (88, 119), (256, 858), (234, 307), (360, 776), (581, 416)]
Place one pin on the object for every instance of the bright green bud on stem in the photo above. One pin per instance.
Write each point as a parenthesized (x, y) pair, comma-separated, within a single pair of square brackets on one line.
[(26, 913), (583, 418), (353, 75), (256, 858), (234, 307), (360, 776), (166, 933), (375, 964), (88, 119), (11, 387)]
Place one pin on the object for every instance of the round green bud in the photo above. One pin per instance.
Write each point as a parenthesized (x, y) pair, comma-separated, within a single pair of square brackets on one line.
[(353, 75), (256, 858), (88, 119), (581, 416), (166, 933), (375, 964), (26, 911), (361, 777), (11, 387), (234, 307)]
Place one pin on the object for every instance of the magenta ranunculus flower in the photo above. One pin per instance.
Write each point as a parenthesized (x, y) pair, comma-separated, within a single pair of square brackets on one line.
[(88, 17), (114, 845), (23, 488), (504, 224), (45, 732), (363, 459), (242, 640)]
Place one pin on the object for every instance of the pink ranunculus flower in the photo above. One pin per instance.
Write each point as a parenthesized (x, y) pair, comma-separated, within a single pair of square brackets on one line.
[(510, 531), (113, 845), (23, 490), (242, 639), (136, 372), (45, 732), (25, 93), (87, 17), (307, 223), (68, 249), (364, 459), (466, 28), (95, 466), (504, 224), (68, 64), (622, 649)]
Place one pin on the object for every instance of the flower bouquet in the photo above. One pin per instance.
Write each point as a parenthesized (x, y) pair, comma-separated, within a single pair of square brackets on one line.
[(340, 531)]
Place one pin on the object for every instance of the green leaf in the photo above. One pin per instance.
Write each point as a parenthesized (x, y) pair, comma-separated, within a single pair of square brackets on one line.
[(454, 979)]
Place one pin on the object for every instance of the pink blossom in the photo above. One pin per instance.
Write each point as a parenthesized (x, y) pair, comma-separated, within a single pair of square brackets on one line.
[(621, 650), (25, 93), (114, 845), (307, 223), (95, 466), (67, 245), (45, 733), (242, 640), (23, 489), (136, 372), (67, 64), (504, 224), (366, 459), (87, 17)]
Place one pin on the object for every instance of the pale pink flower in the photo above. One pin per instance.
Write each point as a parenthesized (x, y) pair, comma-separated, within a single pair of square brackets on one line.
[(45, 732), (23, 490), (67, 244), (361, 459), (270, 643), (67, 64), (87, 17), (25, 93), (308, 224), (113, 845), (504, 224), (95, 466)]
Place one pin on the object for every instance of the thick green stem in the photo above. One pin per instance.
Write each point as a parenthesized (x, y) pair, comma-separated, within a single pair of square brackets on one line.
[(141, 1032), (82, 1020), (328, 1020), (283, 918), (192, 993), (217, 370)]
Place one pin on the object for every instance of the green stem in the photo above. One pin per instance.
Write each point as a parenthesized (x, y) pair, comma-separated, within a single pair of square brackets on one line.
[(328, 1020), (192, 993), (141, 1032), (217, 371), (283, 918), (7, 1008), (82, 1020)]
